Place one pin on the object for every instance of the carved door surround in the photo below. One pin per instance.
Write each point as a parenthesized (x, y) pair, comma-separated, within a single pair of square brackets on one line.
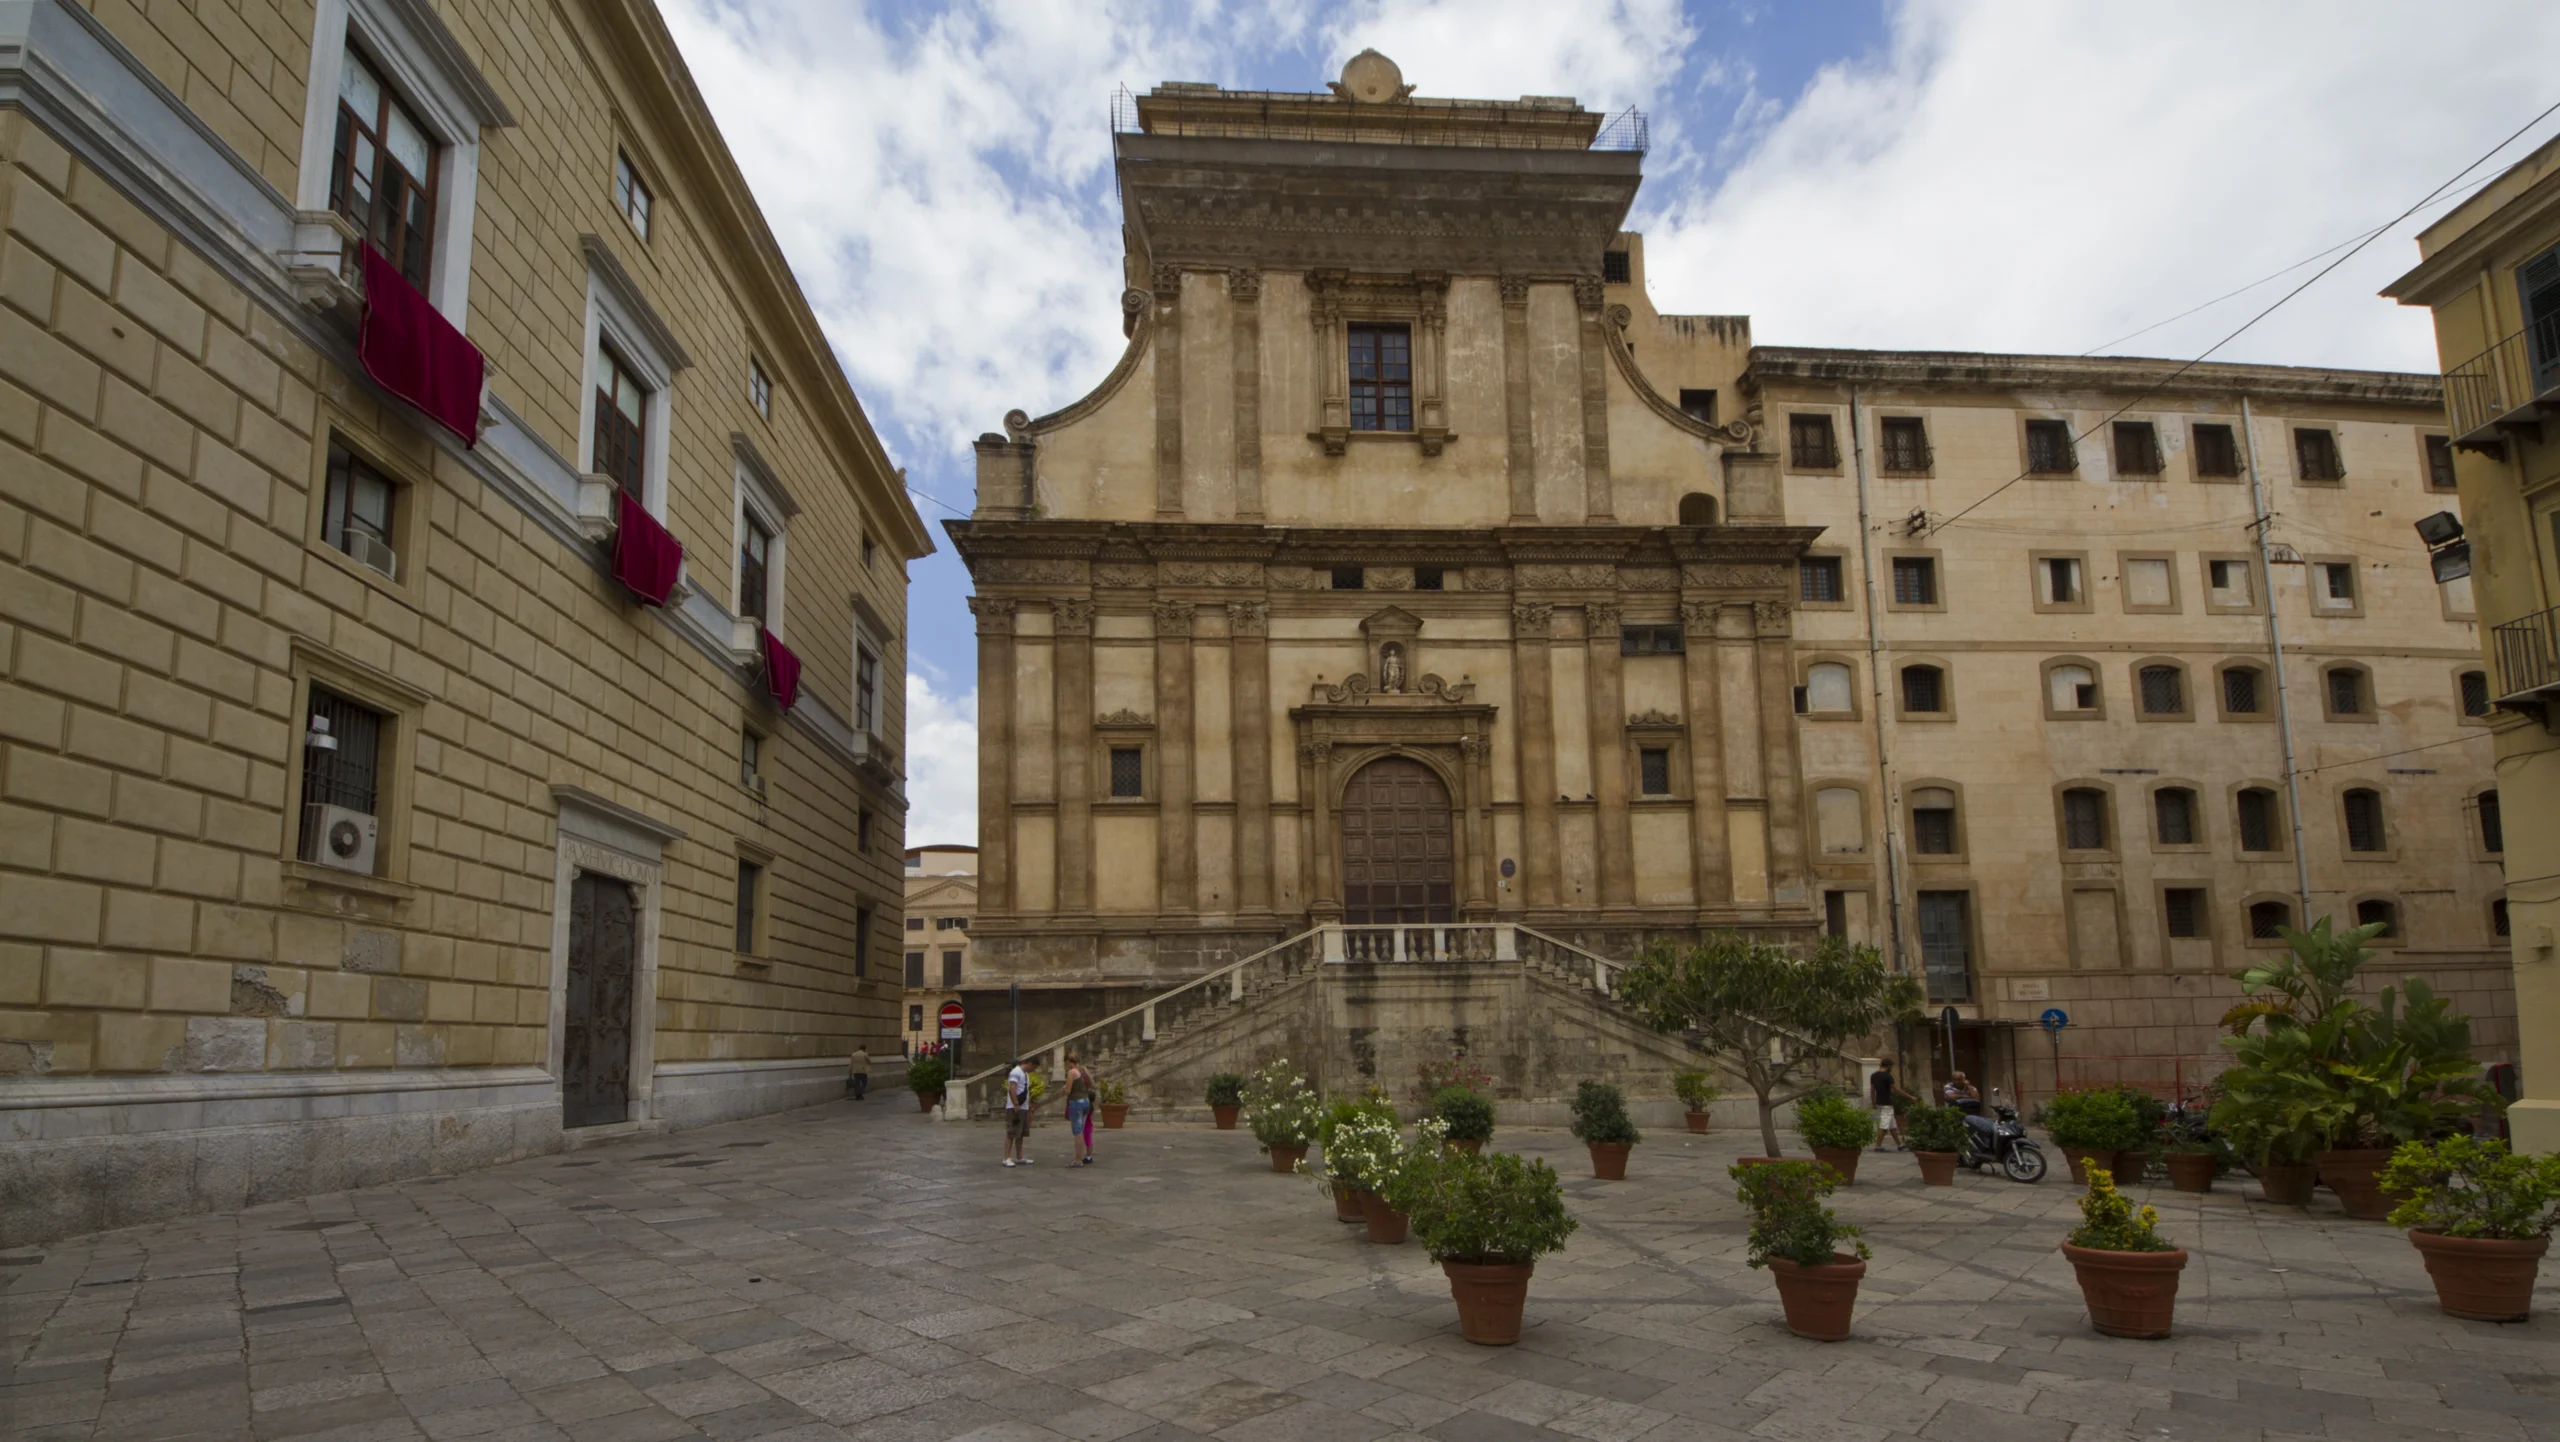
[(1343, 729), (1418, 299)]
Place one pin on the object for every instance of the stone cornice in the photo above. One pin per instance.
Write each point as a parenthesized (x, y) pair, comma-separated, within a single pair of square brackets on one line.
[(1967, 370), (1056, 553), (2454, 265)]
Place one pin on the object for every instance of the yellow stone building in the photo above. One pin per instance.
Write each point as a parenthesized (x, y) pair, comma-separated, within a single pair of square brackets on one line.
[(942, 904), (360, 819), (2490, 271)]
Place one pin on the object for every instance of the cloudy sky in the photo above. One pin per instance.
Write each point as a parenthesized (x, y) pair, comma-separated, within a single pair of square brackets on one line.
[(2034, 176)]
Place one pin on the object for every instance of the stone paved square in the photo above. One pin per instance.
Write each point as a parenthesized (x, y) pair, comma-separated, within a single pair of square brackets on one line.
[(858, 1271)]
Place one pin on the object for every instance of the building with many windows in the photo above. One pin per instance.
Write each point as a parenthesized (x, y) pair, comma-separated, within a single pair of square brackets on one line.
[(942, 897), (2490, 271), (449, 585)]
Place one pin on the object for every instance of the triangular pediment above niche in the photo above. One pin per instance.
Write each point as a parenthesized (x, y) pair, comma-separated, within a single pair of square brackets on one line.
[(1393, 621)]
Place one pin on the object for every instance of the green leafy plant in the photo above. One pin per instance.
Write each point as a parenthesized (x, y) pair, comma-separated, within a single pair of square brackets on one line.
[(1414, 1169), (2109, 1223), (1933, 1129), (1280, 1107), (1777, 1016), (2465, 1187), (1696, 1089), (1788, 1219), (1464, 1113), (1360, 1152), (1226, 1089), (927, 1075), (1434, 1077), (1600, 1115), (1828, 1118), (1114, 1094), (1490, 1208), (2102, 1119), (1341, 1111)]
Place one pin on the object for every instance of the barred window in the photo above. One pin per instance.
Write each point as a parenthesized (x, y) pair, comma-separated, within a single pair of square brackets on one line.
[(1906, 443), (2364, 820), (1128, 771), (2164, 691), (2439, 463), (2174, 809), (342, 754), (2084, 819), (1698, 405), (2346, 691), (1649, 640), (2217, 451), (2498, 924), (2257, 807), (2049, 448), (2185, 908), (1818, 578), (2137, 449), (2493, 826), (2240, 690), (1811, 442), (2315, 454), (1381, 378), (1923, 689), (1613, 267), (2370, 912), (1933, 821), (2267, 919), (1654, 764), (2475, 693), (1915, 580)]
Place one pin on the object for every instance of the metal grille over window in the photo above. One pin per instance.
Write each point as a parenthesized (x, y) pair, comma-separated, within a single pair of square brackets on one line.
[(2257, 819), (2174, 807), (2267, 919), (1946, 948), (1699, 405), (2364, 820), (1923, 688), (2049, 448), (2185, 907), (1613, 267), (2084, 820), (2346, 692), (1649, 641), (951, 968), (1381, 378), (2217, 451), (2240, 691), (1906, 443), (1810, 442), (1915, 581), (2493, 828), (341, 753), (1818, 578), (1933, 821), (1654, 762), (1128, 771), (2164, 691), (2137, 449), (2383, 913), (2315, 455), (382, 171), (2475, 693)]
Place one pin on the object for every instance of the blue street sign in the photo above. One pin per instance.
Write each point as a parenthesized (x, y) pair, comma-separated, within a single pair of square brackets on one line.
[(2055, 1018)]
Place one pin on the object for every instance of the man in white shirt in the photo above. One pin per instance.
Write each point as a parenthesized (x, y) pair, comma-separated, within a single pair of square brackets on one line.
[(1017, 1113)]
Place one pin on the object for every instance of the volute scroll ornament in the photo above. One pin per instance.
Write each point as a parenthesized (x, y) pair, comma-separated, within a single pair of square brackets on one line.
[(1071, 617), (1248, 618), (1124, 718), (1532, 618), (1698, 618), (1601, 618), (1357, 690), (1655, 720), (994, 613), (1772, 618), (1017, 426), (1173, 618)]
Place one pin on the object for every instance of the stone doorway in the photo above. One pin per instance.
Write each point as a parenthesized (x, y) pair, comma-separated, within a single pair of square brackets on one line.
[(595, 1082), (1398, 863)]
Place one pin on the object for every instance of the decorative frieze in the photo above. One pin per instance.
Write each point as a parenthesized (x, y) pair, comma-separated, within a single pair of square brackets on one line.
[(1210, 573), (1030, 571), (1488, 578), (1123, 719), (1653, 720), (1648, 578), (1124, 577), (1731, 577), (1290, 578), (1566, 578)]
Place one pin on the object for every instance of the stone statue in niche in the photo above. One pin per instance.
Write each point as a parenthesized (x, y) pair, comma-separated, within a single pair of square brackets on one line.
[(1391, 670)]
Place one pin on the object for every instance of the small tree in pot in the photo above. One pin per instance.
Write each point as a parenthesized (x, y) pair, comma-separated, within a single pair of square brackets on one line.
[(1114, 1105), (1226, 1098), (1360, 1154), (2128, 1274), (1600, 1121), (2091, 1127), (1285, 1113), (1935, 1136), (1799, 1240), (1486, 1219), (1341, 1112), (1465, 1115), (2481, 1216), (1838, 1131), (1698, 1093), (1777, 1016), (927, 1075)]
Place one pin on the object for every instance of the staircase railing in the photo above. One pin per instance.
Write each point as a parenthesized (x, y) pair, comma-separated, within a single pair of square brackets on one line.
[(1563, 957)]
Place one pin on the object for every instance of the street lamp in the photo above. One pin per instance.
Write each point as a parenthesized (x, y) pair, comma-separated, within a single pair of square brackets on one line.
[(2448, 554)]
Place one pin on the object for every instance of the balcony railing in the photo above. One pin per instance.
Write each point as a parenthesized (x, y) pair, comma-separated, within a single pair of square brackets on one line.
[(2528, 656), (2502, 385)]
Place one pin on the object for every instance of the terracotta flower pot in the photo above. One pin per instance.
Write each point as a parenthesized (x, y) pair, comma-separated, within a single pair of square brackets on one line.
[(1818, 1300), (1843, 1160), (2130, 1294), (927, 1101), (1609, 1160), (1937, 1169), (1756, 1161), (1470, 1146), (1114, 1115), (2485, 1279), (1286, 1159), (1226, 1117), (1697, 1121), (2287, 1184), (1386, 1224), (1490, 1297), (2079, 1159), (1346, 1203), (2355, 1174), (2130, 1167), (2189, 1171)]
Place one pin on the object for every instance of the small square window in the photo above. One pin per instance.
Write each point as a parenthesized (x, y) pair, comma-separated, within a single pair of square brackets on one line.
[(2346, 691), (2186, 910), (1649, 641), (915, 923), (631, 194), (2337, 585), (1818, 578), (2440, 474), (2049, 450), (2164, 691), (1915, 580), (1923, 689), (2217, 451), (2173, 810), (759, 389), (1429, 578), (750, 756), (2060, 578), (1811, 442), (1699, 405), (1350, 578), (358, 510), (2258, 820), (1128, 771), (2229, 585), (750, 884), (2475, 693), (2240, 690), (2364, 820), (2315, 455), (1654, 764), (2383, 913), (2084, 820), (1906, 443), (2268, 919), (2137, 449), (1613, 267)]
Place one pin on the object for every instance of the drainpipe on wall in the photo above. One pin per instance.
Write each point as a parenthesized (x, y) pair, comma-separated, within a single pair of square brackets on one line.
[(2275, 646), (1877, 696)]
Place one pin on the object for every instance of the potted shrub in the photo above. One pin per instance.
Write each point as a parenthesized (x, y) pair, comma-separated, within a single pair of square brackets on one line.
[(1935, 1136), (1698, 1092), (1226, 1098), (2091, 1126), (927, 1075), (2192, 1161), (1341, 1112), (1285, 1113), (1600, 1122), (1465, 1115), (1486, 1219), (1401, 1176), (1114, 1105), (1799, 1240), (1361, 1151), (2481, 1216), (2128, 1274), (1837, 1129)]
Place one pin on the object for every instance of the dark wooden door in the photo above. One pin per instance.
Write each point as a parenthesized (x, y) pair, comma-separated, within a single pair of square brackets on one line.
[(1396, 858), (595, 1082)]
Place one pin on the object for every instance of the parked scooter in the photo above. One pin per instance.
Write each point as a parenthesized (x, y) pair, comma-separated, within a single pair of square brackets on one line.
[(2001, 1142)]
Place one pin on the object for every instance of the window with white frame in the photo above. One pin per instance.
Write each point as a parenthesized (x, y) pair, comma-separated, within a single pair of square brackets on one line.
[(866, 677), (632, 360), (391, 124), (761, 520), (631, 194)]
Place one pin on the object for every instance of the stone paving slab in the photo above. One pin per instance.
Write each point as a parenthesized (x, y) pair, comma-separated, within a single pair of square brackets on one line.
[(858, 1271)]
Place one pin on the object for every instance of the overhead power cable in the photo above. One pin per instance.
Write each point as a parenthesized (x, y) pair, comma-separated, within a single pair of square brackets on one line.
[(2161, 384)]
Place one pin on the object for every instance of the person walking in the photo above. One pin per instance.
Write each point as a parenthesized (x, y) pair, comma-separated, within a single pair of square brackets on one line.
[(857, 1077), (1017, 1114), (1080, 1090), (1881, 1092)]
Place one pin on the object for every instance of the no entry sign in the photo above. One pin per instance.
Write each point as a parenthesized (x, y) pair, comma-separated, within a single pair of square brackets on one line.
[(952, 1016)]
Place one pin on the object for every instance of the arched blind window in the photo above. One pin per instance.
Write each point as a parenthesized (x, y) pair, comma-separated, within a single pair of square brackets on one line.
[(1827, 687)]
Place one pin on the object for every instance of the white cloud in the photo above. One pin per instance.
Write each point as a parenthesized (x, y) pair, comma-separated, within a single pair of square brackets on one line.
[(942, 764), (2047, 177)]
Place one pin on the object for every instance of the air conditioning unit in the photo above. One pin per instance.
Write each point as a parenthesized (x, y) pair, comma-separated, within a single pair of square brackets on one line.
[(372, 552), (339, 836)]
